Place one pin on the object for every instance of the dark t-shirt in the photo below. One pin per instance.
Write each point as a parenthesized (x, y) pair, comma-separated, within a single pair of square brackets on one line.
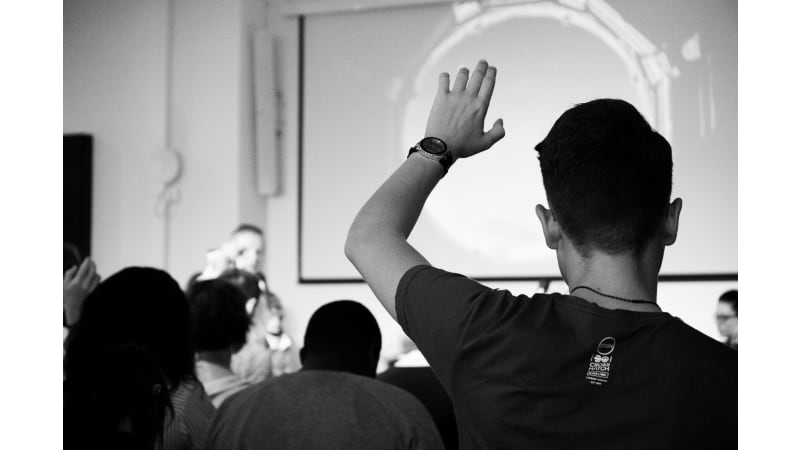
[(423, 384), (555, 371)]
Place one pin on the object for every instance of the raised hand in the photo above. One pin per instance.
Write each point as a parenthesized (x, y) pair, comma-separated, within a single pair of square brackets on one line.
[(79, 282), (457, 116)]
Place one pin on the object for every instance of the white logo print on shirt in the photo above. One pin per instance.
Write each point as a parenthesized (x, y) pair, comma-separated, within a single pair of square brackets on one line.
[(600, 362)]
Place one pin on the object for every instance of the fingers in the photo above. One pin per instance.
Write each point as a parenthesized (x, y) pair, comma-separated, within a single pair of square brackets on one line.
[(487, 87), (444, 83), (93, 284), (89, 276), (495, 134), (84, 268), (70, 274), (461, 80), (477, 77)]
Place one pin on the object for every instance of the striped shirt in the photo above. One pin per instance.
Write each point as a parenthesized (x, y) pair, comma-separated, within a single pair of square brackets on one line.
[(186, 429)]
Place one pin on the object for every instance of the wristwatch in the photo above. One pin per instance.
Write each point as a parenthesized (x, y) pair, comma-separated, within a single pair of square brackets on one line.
[(434, 149)]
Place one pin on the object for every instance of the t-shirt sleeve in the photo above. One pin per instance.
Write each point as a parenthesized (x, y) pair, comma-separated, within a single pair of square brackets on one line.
[(445, 314)]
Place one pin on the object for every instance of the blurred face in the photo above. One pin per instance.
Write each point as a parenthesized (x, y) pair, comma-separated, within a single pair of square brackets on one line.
[(727, 320), (250, 251)]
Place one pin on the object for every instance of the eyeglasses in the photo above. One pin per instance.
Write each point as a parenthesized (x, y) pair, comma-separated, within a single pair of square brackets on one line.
[(725, 317)]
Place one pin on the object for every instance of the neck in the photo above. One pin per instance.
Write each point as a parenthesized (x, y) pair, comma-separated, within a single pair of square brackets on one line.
[(628, 276), (220, 367), (358, 366)]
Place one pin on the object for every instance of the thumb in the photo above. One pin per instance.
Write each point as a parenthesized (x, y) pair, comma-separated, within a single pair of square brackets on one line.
[(496, 133)]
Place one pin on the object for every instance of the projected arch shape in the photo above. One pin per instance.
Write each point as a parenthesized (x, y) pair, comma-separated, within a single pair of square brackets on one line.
[(496, 223), (648, 67)]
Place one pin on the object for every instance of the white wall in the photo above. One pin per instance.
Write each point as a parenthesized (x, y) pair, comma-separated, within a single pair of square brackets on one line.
[(114, 81), (115, 88)]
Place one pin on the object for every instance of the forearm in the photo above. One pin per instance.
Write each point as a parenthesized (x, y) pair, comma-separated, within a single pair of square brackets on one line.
[(376, 243)]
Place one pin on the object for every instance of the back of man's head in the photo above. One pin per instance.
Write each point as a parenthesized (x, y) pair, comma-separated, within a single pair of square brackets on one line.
[(248, 283), (342, 335), (219, 318), (607, 175)]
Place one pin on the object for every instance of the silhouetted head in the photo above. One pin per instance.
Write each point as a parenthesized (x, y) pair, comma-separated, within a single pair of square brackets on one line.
[(248, 283), (117, 400), (608, 177), (342, 335), (219, 317), (140, 306)]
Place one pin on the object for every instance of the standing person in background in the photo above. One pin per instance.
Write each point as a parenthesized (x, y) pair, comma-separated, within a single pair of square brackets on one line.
[(728, 318), (600, 368), (247, 243)]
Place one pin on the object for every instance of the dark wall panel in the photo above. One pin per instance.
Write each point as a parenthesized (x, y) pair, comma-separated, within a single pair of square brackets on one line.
[(78, 192)]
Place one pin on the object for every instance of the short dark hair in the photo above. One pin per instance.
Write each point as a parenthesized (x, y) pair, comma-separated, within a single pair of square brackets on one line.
[(342, 326), (219, 317), (731, 297), (607, 175), (249, 227), (247, 282), (141, 306)]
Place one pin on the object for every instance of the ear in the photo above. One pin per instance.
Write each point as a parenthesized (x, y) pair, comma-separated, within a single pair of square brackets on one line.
[(671, 223), (550, 227)]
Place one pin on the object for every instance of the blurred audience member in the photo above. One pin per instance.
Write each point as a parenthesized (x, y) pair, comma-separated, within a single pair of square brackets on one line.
[(411, 372), (115, 400), (244, 252), (219, 329), (334, 402), (142, 308), (728, 318), (247, 247), (253, 361)]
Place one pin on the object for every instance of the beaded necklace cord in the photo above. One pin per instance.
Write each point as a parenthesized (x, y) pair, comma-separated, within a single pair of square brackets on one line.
[(613, 296)]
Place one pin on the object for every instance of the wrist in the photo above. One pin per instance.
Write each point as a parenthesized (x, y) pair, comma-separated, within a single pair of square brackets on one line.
[(71, 316), (429, 163), (434, 149)]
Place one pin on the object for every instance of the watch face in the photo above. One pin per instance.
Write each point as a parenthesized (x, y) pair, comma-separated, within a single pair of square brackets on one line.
[(433, 145)]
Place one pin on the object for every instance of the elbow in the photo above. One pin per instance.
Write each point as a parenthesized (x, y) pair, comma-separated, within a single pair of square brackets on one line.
[(353, 243)]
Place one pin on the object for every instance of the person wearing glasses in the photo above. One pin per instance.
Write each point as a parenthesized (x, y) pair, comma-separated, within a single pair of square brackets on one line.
[(728, 318)]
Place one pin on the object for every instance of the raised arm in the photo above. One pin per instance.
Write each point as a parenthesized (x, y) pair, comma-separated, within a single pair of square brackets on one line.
[(377, 242)]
